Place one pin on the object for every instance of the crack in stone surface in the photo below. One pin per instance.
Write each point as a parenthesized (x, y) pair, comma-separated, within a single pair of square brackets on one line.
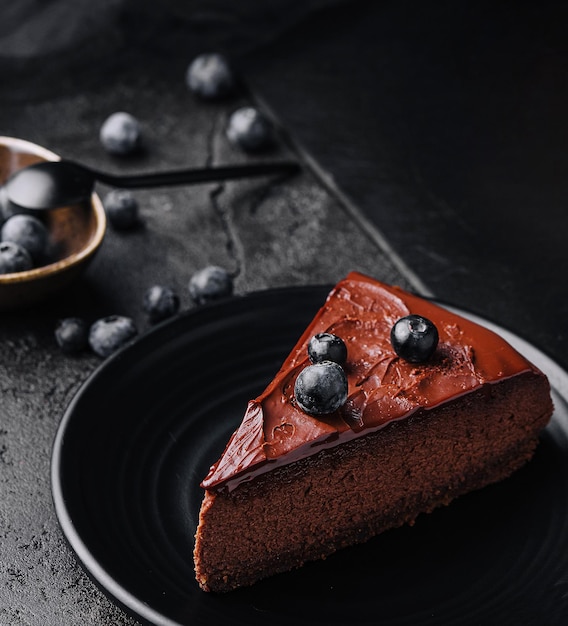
[(233, 244)]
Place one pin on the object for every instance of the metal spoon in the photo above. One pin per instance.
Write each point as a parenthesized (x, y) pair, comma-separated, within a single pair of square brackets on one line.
[(51, 184)]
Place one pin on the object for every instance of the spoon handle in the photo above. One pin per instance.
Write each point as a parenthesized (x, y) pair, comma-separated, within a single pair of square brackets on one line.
[(202, 175)]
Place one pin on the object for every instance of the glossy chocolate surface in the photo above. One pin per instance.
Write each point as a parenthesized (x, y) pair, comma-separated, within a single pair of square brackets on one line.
[(382, 386)]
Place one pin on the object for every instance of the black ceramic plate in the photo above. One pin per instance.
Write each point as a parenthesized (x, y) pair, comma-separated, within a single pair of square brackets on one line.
[(142, 432)]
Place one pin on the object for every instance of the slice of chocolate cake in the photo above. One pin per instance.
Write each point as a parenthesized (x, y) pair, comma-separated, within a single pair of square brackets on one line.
[(339, 448)]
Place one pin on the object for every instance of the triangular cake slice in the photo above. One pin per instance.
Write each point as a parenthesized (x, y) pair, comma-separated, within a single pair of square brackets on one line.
[(293, 486)]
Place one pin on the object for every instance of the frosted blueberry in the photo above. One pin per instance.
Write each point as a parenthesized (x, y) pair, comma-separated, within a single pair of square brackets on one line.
[(210, 283), (327, 347), (321, 388), (160, 302), (414, 338), (120, 133), (71, 334), (210, 76), (30, 233), (122, 209), (14, 258), (108, 334), (8, 208), (250, 129)]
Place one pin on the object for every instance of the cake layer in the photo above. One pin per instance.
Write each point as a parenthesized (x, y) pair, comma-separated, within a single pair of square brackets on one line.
[(347, 494), (292, 487)]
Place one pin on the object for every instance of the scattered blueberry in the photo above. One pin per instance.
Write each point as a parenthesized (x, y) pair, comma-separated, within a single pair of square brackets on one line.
[(327, 347), (121, 208), (28, 232), (414, 338), (210, 283), (160, 302), (321, 388), (210, 76), (71, 334), (250, 129), (110, 333), (14, 258), (120, 133)]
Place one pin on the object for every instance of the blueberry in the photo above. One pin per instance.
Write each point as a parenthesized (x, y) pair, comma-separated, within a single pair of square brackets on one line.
[(120, 133), (210, 76), (28, 232), (321, 388), (160, 303), (250, 129), (71, 334), (121, 208), (210, 283), (14, 258), (414, 338), (327, 347), (108, 334), (8, 208)]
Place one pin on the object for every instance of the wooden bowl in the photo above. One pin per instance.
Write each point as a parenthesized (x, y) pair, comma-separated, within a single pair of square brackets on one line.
[(76, 233)]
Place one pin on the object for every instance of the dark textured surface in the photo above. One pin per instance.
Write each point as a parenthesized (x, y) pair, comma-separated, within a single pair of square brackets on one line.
[(445, 123), (267, 232), (425, 128)]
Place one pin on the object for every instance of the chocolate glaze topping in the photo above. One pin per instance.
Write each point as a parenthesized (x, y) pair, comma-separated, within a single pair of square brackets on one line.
[(382, 386)]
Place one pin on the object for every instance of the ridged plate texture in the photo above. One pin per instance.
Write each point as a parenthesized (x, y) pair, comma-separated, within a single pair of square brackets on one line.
[(142, 432)]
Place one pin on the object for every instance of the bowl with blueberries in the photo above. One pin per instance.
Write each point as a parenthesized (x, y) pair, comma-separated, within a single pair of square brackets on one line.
[(42, 252)]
